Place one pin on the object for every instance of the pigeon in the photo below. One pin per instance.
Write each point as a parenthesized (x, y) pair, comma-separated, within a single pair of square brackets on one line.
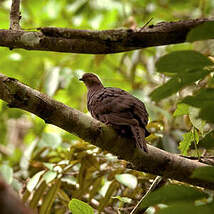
[(117, 108)]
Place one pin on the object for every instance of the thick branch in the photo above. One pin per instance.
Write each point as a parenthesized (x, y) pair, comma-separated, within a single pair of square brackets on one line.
[(99, 42), (157, 161), (15, 15)]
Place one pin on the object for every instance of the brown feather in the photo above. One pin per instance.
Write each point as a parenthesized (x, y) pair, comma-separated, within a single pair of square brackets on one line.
[(118, 108)]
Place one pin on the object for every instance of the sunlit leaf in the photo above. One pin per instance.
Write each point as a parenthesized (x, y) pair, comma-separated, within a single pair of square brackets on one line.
[(52, 81), (34, 180), (186, 142), (51, 140), (123, 199), (79, 207), (181, 109), (196, 122), (7, 173), (50, 166), (49, 176), (128, 180)]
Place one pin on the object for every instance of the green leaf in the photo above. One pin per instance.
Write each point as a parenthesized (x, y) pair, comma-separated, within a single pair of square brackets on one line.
[(97, 184), (34, 180), (79, 207), (51, 140), (201, 32), (123, 199), (38, 194), (196, 122), (7, 173), (176, 83), (171, 194), (187, 208), (205, 173), (126, 179), (182, 109), (207, 141), (111, 190), (206, 113), (166, 90), (49, 198), (204, 100), (182, 61), (49, 176), (186, 142)]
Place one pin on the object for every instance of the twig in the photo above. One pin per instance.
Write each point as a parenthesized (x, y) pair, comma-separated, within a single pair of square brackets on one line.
[(146, 24), (15, 15), (157, 183)]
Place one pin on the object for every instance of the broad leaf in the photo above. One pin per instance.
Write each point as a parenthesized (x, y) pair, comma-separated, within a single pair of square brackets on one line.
[(173, 193), (204, 173), (201, 32), (186, 142), (196, 122), (187, 208), (182, 61), (206, 113), (176, 83), (182, 109), (208, 141), (204, 100), (79, 207)]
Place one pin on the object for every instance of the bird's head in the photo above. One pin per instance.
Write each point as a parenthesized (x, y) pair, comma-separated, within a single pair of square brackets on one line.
[(91, 80)]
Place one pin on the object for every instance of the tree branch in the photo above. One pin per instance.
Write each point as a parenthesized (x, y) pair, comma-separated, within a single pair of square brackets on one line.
[(15, 15), (157, 161), (99, 42)]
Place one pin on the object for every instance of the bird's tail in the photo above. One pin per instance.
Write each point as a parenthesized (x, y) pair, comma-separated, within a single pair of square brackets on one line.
[(139, 135)]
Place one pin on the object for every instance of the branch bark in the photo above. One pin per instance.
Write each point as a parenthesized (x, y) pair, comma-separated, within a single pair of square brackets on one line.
[(99, 42), (15, 15), (157, 161)]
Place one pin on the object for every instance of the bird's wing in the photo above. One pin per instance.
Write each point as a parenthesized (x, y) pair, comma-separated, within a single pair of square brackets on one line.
[(115, 100)]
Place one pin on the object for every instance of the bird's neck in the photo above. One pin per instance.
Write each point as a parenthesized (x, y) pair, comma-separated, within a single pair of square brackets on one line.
[(93, 89)]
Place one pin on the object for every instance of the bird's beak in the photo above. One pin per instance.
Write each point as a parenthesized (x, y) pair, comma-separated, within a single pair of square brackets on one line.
[(80, 79)]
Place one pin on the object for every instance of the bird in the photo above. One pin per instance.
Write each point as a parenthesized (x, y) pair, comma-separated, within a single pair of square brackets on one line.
[(117, 108)]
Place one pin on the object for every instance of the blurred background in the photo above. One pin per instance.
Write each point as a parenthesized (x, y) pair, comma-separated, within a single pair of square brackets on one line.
[(47, 155)]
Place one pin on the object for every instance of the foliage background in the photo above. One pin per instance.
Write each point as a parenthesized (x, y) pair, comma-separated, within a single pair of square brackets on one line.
[(61, 165)]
